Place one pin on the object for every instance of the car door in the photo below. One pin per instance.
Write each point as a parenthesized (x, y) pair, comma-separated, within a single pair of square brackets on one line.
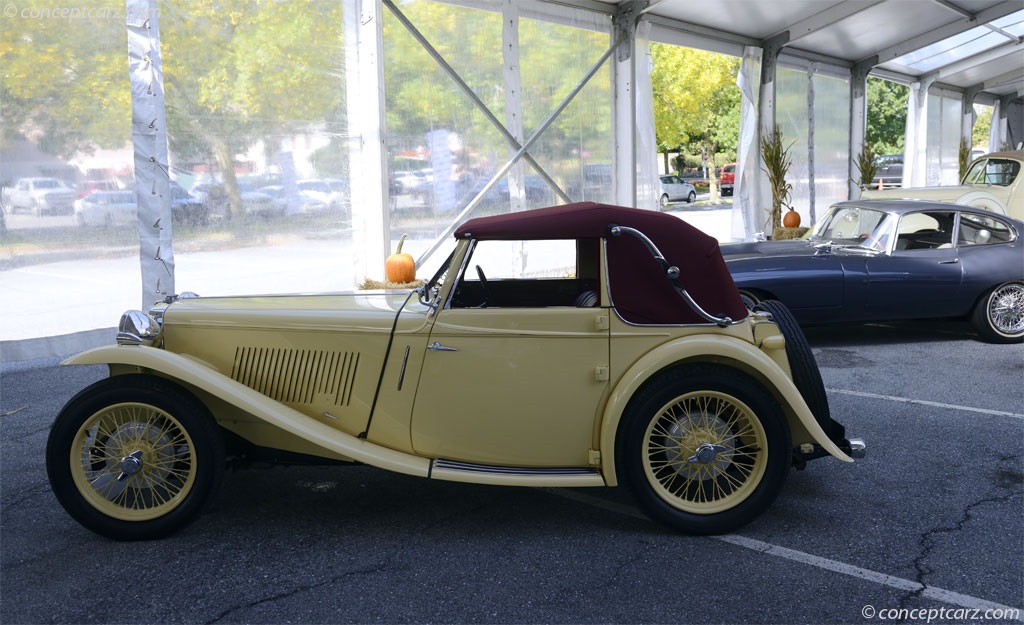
[(515, 377), (920, 275)]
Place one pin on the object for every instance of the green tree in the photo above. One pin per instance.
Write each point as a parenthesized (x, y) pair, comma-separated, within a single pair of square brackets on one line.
[(59, 78), (982, 125), (887, 116), (696, 100)]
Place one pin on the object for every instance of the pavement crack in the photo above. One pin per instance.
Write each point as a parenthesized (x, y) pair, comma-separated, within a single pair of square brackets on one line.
[(12, 504), (370, 570), (928, 541)]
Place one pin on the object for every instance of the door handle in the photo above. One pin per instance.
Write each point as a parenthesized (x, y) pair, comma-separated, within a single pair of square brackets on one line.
[(437, 347), (955, 261)]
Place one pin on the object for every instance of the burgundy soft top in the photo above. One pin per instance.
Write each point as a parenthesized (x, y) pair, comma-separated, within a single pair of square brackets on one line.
[(640, 291)]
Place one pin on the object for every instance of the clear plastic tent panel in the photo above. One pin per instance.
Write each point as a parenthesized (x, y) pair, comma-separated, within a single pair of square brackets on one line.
[(963, 45), (69, 253), (257, 132), (444, 153), (576, 150), (831, 141), (942, 152), (441, 149), (791, 116)]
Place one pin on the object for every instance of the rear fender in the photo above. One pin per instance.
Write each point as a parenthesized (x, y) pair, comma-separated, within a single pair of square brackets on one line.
[(195, 373), (719, 349)]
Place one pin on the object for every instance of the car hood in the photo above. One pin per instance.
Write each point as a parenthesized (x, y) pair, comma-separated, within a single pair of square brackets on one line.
[(757, 249), (369, 311)]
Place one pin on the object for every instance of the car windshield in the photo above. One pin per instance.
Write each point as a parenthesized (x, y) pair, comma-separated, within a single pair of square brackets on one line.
[(996, 171), (854, 226)]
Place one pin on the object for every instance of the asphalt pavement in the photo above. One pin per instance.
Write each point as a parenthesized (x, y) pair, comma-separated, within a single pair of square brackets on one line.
[(927, 528)]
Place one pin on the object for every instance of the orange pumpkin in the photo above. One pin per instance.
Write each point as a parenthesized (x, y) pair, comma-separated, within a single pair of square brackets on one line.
[(791, 219), (400, 267)]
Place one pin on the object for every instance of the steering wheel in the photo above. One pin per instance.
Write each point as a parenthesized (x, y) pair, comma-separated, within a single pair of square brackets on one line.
[(871, 242), (486, 287)]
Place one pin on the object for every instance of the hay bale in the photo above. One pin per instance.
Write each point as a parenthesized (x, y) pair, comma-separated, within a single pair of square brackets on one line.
[(370, 284), (782, 234)]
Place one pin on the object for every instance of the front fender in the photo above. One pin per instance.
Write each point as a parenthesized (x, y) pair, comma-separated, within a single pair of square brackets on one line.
[(983, 199), (195, 372), (720, 349)]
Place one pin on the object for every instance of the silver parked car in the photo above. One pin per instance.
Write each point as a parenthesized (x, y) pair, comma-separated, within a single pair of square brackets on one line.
[(675, 189), (106, 208)]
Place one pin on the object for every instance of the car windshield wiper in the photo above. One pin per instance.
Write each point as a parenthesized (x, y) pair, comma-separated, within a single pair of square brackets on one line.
[(853, 247)]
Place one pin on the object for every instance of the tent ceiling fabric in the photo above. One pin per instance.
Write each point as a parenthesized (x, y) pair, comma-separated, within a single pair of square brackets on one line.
[(965, 44)]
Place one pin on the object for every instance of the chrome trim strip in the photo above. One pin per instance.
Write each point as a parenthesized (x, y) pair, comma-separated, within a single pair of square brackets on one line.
[(401, 374), (471, 467)]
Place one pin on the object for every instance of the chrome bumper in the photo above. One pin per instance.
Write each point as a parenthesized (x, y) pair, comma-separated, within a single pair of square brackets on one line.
[(855, 448)]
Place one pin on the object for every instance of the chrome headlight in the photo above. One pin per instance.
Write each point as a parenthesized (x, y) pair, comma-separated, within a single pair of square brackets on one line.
[(137, 328)]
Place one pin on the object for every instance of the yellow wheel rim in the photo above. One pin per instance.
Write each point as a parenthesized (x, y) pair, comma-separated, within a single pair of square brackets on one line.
[(705, 452), (133, 461)]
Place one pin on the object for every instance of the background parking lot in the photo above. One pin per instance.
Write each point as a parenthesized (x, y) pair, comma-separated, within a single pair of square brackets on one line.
[(931, 519)]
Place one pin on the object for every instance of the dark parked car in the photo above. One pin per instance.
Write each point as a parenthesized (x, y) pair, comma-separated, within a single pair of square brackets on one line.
[(874, 260), (888, 170), (187, 209)]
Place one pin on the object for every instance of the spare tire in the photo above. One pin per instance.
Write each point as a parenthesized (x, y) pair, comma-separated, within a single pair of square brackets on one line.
[(803, 367)]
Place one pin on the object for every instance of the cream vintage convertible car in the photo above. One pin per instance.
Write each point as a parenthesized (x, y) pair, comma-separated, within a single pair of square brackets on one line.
[(993, 182), (579, 345)]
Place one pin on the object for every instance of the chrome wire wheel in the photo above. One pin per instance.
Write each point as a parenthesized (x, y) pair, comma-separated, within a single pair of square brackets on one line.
[(999, 314), (1006, 309), (133, 461), (705, 452)]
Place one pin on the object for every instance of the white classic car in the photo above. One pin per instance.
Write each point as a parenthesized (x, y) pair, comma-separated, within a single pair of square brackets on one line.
[(992, 182)]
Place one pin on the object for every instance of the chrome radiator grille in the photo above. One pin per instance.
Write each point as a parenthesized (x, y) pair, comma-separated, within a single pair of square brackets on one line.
[(297, 376)]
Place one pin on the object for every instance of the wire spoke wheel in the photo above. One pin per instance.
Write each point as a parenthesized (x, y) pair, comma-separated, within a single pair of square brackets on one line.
[(704, 448), (1006, 309), (133, 461), (134, 457), (999, 315), (705, 451)]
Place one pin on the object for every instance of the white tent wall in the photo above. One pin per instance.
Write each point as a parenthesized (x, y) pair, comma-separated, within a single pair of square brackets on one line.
[(646, 144), (748, 211)]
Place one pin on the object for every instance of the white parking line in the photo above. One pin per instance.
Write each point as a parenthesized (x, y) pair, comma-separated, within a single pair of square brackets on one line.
[(923, 402), (930, 592)]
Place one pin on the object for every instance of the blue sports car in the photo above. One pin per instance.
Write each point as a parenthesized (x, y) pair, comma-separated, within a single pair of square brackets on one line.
[(879, 260)]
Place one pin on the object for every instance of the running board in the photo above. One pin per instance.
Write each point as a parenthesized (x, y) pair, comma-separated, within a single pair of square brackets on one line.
[(456, 471)]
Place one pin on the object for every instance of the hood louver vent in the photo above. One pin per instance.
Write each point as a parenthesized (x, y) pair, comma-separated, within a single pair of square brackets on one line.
[(293, 376)]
